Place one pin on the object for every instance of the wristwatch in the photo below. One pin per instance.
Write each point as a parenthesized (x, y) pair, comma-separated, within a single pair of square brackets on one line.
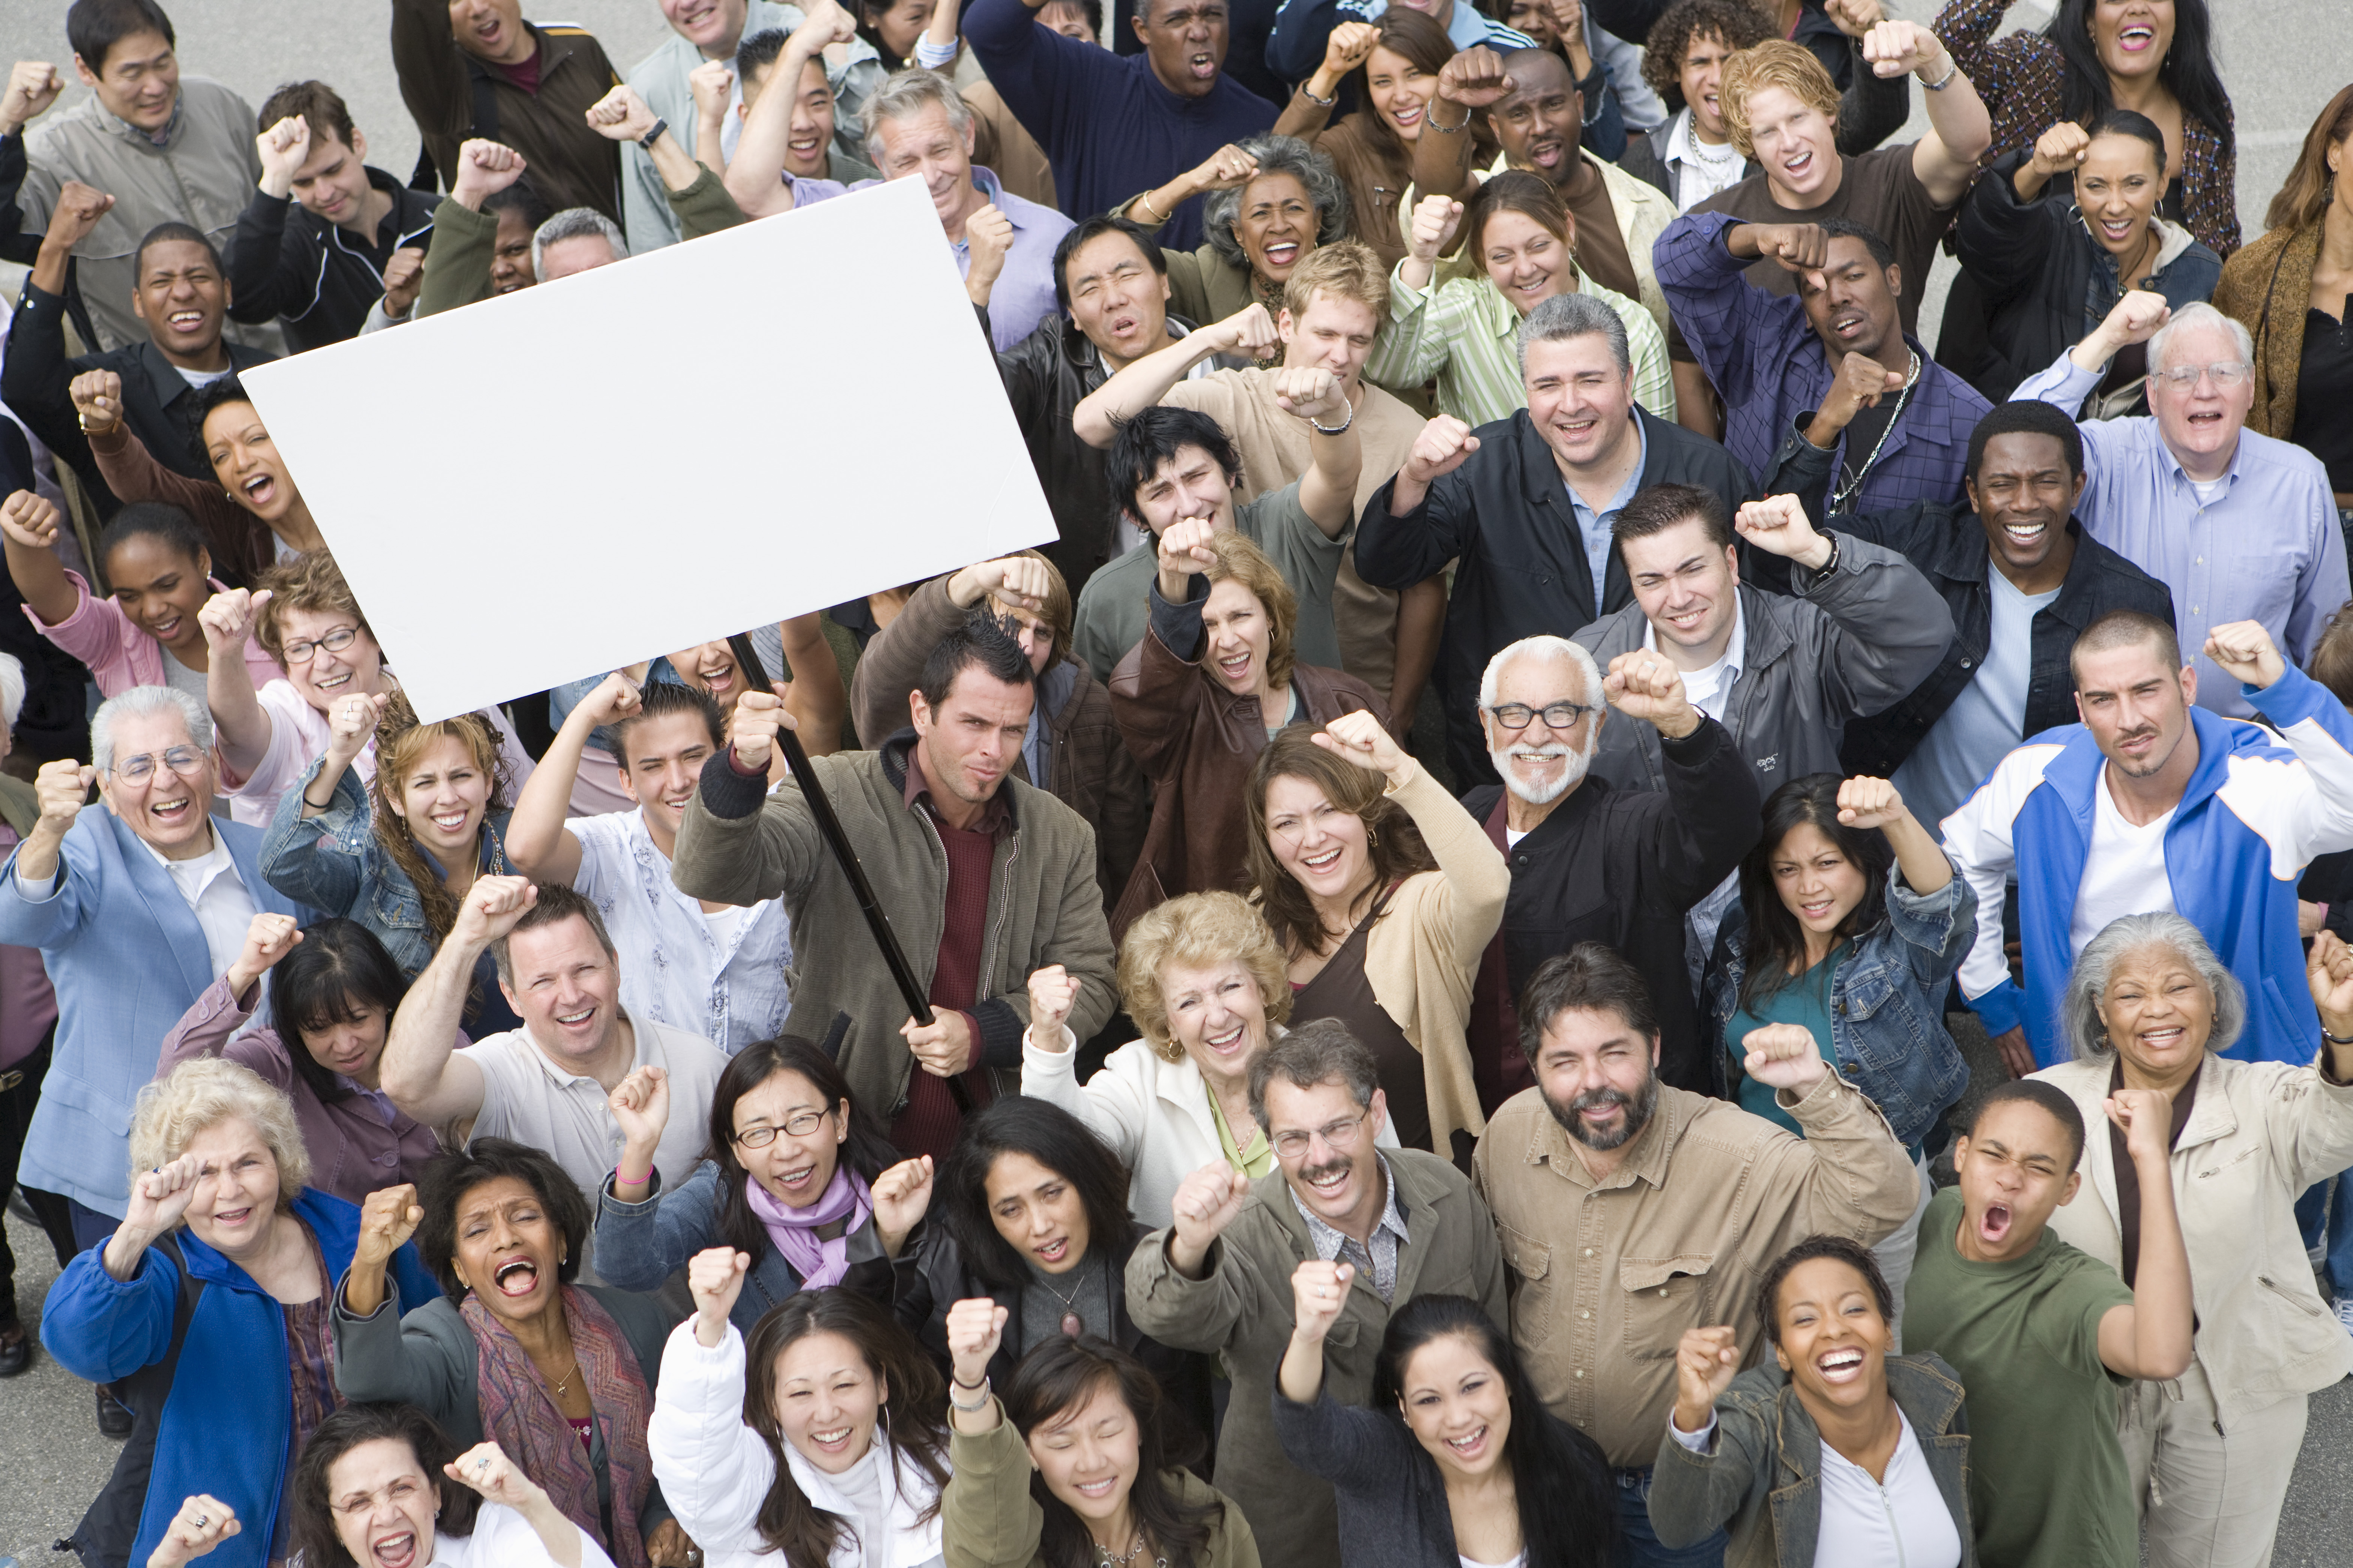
[(651, 137)]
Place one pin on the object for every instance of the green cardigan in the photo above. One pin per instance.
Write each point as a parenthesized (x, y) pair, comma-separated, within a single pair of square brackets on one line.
[(988, 1519)]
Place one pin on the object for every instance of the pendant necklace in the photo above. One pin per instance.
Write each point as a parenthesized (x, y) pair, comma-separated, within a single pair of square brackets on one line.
[(1072, 1324)]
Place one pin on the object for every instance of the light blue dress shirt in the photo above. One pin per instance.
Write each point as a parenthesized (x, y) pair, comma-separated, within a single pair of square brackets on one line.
[(1595, 525)]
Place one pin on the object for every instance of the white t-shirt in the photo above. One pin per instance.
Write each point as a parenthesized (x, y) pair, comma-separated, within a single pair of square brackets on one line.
[(2207, 489), (199, 378), (1706, 170), (2124, 874), (1904, 1520), (1709, 690)]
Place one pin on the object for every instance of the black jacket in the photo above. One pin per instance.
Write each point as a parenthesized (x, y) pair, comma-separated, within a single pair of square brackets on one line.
[(1047, 374), (1618, 867), (1947, 544), (158, 403), (1504, 516), (317, 279)]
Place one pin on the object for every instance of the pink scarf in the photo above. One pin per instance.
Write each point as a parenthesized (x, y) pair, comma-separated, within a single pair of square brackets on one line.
[(814, 1240)]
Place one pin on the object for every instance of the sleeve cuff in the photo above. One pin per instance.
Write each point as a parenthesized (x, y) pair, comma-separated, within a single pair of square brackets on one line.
[(2001, 1009), (1695, 749), (997, 1029), (1700, 1442), (728, 792)]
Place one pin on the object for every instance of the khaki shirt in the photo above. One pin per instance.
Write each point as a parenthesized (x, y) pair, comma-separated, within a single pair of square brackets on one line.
[(1605, 1279)]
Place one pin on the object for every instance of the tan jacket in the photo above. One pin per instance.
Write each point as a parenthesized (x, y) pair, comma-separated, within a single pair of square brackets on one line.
[(1242, 1308), (988, 1518), (1422, 955), (2259, 1133), (2266, 288), (1607, 1279)]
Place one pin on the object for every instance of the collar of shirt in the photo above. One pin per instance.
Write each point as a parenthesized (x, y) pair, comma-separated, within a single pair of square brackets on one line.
[(1725, 670), (1682, 144), (192, 876), (993, 816), (563, 1077), (157, 138), (1588, 517), (1329, 1241), (1646, 1161), (985, 181), (2173, 469)]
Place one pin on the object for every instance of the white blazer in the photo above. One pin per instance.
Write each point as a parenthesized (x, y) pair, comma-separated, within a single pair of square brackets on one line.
[(1153, 1113), (715, 1471)]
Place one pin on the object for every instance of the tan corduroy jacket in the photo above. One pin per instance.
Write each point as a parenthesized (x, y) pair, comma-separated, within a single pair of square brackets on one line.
[(2266, 288)]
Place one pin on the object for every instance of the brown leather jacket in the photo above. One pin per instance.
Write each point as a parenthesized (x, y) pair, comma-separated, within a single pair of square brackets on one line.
[(1196, 741), (1091, 772)]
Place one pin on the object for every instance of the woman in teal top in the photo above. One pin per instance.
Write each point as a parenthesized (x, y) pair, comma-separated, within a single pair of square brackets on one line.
[(1850, 924)]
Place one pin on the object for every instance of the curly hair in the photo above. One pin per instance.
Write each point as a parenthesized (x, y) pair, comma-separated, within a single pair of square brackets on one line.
[(1277, 155), (199, 1095), (1775, 62), (311, 580), (400, 740), (1197, 929), (1736, 24)]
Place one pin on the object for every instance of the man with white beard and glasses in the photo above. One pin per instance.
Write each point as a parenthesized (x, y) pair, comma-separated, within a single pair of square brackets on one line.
[(1592, 863), (1630, 1211)]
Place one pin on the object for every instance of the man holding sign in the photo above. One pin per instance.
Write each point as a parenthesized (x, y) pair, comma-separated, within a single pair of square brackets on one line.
[(985, 879)]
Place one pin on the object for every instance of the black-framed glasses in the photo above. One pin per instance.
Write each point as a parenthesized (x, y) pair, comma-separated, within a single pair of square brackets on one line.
[(1340, 1135), (334, 641), (185, 761), (800, 1124), (1556, 715)]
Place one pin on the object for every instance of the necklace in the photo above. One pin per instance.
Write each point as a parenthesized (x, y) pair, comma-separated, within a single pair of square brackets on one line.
[(1844, 493), (1104, 1559), (568, 1376), (1072, 1324)]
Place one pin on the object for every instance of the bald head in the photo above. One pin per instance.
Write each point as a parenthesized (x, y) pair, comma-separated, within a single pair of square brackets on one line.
[(1538, 121)]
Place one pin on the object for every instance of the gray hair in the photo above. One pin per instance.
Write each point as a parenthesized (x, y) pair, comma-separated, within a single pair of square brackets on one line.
[(905, 96), (1541, 646), (2078, 1010), (1314, 1053), (11, 689), (574, 223), (137, 702), (1277, 155), (2192, 316), (1565, 316)]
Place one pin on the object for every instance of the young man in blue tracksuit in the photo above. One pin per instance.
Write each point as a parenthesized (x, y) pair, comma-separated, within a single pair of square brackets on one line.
[(2153, 802)]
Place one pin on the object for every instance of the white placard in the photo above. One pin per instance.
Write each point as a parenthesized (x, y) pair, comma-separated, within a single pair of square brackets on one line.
[(564, 480)]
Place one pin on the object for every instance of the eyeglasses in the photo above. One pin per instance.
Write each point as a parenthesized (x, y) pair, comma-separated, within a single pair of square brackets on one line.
[(2226, 373), (334, 641), (800, 1124), (1340, 1135), (185, 761), (1556, 715)]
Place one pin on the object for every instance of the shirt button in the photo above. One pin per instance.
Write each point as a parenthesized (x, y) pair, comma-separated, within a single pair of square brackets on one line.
[(1581, 1372), (1588, 1252), (1585, 1314), (1663, 1289)]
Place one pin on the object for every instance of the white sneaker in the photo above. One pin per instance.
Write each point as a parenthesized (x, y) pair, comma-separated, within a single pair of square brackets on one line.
[(2345, 1312)]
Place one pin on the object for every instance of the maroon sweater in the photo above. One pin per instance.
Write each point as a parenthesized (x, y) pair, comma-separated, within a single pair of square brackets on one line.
[(930, 1122)]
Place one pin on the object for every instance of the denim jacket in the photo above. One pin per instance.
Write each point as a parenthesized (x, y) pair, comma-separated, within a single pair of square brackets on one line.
[(1887, 1002), (1762, 1479), (334, 864)]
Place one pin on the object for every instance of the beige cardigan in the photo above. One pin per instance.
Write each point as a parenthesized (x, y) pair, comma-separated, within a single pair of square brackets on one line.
[(1422, 955)]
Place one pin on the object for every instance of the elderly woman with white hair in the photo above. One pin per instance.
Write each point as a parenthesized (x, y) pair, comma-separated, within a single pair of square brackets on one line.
[(2148, 1007), (207, 1307)]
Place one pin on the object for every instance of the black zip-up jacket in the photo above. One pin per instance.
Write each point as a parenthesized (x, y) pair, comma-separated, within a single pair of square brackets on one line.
[(1504, 516), (1620, 866), (317, 279), (1947, 544)]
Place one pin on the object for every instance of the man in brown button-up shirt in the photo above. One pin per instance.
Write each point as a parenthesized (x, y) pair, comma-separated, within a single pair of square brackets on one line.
[(1662, 1209)]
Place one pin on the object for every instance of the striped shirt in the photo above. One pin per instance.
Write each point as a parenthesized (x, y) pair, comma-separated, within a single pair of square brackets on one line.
[(1463, 332)]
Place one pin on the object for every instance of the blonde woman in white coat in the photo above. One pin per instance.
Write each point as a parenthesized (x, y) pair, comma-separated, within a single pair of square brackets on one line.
[(2147, 1007), (1203, 978), (823, 1443)]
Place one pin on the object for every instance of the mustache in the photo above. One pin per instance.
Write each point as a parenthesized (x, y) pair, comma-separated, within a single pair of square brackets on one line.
[(1329, 1167)]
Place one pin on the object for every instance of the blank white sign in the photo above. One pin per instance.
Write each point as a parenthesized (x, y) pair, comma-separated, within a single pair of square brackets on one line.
[(565, 480)]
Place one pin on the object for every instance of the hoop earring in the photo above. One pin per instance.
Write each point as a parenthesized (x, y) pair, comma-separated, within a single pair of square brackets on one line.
[(887, 1438)]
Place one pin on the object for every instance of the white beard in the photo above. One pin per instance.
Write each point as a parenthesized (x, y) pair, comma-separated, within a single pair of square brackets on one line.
[(1571, 774)]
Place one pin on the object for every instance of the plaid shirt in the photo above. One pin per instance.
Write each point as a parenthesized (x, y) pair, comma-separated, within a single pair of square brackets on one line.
[(1376, 1261), (1771, 369)]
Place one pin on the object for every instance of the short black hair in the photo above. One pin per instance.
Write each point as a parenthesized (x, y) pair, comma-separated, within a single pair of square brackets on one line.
[(981, 641), (1154, 435), (1845, 1249), (759, 51), (1591, 977), (165, 234), (2053, 1101), (1873, 240), (1088, 230), (211, 395), (659, 699), (2028, 417), (337, 968), (156, 520), (94, 26), (451, 1175), (523, 200), (1658, 508)]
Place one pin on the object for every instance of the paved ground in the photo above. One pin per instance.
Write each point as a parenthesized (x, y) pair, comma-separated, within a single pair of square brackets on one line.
[(2282, 58)]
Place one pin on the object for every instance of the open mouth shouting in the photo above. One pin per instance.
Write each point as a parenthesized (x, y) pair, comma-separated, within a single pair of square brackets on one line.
[(1330, 1183), (1798, 165), (259, 490), (184, 323), (803, 150), (1201, 66), (1849, 325), (2116, 233), (1239, 670), (1471, 1446), (2026, 532), (2162, 1040), (2137, 38), (1839, 1366), (516, 1279), (1994, 1224), (1228, 1045), (395, 1550), (1548, 151), (1281, 254), (451, 822)]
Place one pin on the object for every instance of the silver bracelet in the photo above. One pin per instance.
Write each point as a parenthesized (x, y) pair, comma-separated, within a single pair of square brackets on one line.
[(1941, 83), (1309, 94), (1431, 121), (1325, 430), (955, 1387)]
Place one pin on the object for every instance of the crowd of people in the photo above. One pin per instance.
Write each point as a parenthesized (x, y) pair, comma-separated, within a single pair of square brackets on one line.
[(1442, 941)]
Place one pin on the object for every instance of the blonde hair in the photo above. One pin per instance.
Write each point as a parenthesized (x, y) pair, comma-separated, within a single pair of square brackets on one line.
[(1197, 930), (1345, 270), (1240, 560), (197, 1096), (1775, 62)]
